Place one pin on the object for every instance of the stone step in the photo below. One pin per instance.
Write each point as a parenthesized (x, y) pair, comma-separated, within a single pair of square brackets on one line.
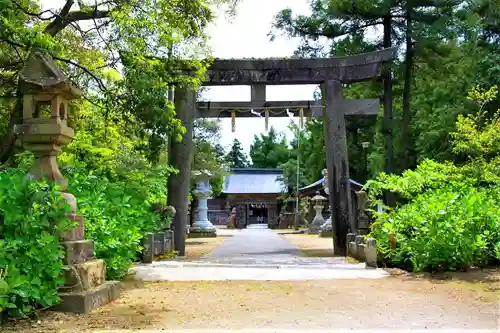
[(78, 251), (88, 300), (84, 276)]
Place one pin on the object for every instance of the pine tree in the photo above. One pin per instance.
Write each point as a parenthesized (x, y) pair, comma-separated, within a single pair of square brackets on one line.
[(236, 158), (269, 150), (419, 25)]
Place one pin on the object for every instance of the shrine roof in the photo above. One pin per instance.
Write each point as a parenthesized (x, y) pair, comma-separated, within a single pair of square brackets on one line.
[(254, 181)]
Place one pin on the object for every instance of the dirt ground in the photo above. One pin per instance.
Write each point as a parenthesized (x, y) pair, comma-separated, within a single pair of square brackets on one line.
[(198, 247), (310, 245), (403, 301), (396, 302)]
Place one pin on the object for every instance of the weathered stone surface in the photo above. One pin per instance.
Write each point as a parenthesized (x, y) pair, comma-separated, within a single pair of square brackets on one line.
[(41, 74), (327, 228), (360, 252), (78, 233), (359, 239), (148, 251), (318, 221), (371, 253), (310, 108), (86, 301), (350, 237), (352, 249), (78, 251), (297, 71), (158, 248), (170, 238), (201, 234), (363, 218), (83, 276), (166, 242), (363, 224), (339, 185)]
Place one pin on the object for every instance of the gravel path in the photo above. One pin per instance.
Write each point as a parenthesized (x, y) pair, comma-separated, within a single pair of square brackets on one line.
[(386, 304), (256, 280)]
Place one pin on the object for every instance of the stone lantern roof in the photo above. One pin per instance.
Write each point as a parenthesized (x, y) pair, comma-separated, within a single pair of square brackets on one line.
[(41, 75), (318, 197)]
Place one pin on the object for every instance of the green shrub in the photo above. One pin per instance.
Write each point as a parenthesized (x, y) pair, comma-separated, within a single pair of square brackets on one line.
[(449, 217), (443, 229), (32, 217), (119, 213)]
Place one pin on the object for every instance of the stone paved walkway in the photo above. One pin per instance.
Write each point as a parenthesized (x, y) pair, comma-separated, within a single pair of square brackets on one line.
[(255, 243), (256, 253)]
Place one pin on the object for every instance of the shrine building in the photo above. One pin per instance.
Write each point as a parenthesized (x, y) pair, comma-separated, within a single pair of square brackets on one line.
[(254, 193)]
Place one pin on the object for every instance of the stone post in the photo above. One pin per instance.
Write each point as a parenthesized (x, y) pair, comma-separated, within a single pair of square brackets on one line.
[(363, 219), (42, 82), (202, 227), (318, 221), (371, 253)]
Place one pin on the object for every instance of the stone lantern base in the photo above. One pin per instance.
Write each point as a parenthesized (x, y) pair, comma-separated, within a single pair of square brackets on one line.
[(202, 231), (85, 286), (327, 228), (313, 229), (202, 234)]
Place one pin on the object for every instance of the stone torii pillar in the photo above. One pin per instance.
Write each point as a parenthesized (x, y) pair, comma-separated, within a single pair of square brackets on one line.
[(337, 164), (180, 157)]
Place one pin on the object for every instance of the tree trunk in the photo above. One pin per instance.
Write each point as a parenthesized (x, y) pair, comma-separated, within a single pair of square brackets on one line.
[(405, 126), (7, 146), (387, 125)]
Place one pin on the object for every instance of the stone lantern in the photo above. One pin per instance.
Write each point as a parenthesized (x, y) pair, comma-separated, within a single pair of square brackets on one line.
[(326, 228), (202, 227), (318, 221), (42, 83)]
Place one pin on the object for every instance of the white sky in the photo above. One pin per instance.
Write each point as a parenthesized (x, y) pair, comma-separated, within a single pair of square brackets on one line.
[(246, 37)]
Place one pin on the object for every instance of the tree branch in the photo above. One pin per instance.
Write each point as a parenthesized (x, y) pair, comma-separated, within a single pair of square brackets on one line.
[(332, 35), (86, 70), (37, 15), (65, 17)]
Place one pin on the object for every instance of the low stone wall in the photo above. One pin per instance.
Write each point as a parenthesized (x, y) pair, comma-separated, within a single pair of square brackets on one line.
[(157, 244), (362, 250)]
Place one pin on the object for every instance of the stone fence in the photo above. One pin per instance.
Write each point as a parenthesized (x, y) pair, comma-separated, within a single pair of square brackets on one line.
[(157, 244), (362, 250)]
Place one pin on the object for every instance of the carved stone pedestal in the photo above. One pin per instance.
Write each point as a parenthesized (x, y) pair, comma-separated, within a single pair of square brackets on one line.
[(85, 286)]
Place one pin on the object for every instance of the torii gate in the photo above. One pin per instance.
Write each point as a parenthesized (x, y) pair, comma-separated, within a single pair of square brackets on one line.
[(329, 73)]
